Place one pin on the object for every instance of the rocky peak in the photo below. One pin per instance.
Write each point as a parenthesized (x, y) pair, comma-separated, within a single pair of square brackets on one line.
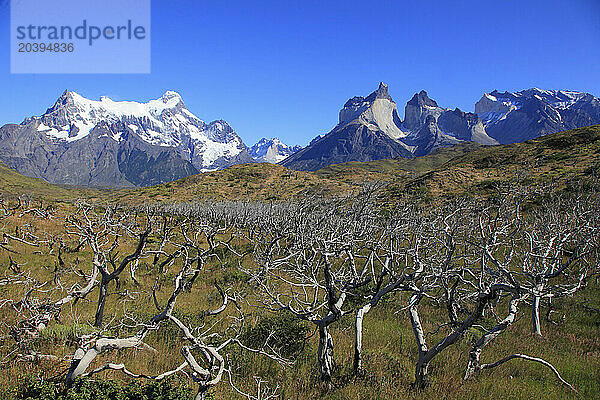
[(469, 117), (376, 111), (170, 94), (421, 99), (220, 131), (357, 106), (464, 126), (418, 108), (380, 93), (66, 96), (66, 99), (172, 99)]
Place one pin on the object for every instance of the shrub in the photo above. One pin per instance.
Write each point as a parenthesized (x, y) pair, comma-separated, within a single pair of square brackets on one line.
[(287, 334), (37, 389), (88, 389), (232, 275)]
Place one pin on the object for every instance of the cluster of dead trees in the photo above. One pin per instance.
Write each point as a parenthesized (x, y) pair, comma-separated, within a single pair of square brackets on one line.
[(111, 242), (479, 263)]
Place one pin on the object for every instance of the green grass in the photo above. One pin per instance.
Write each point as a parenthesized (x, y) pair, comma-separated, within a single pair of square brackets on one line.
[(389, 345), (573, 347)]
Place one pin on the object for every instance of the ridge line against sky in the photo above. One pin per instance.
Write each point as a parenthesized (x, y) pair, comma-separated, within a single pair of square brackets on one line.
[(285, 70)]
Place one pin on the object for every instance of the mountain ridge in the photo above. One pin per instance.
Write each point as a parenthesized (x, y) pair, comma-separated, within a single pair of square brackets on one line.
[(370, 128), (530, 113), (107, 143)]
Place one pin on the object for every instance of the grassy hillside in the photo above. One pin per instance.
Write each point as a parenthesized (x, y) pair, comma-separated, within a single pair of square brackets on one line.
[(389, 342), (465, 168), (394, 169), (13, 184), (460, 169), (471, 168), (245, 181)]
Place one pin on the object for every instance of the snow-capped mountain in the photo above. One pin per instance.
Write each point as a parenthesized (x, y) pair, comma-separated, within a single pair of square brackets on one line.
[(164, 122), (271, 150), (516, 117), (118, 143), (124, 143), (370, 128)]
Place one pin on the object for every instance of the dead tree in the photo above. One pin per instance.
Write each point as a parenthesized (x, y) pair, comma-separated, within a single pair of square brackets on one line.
[(559, 237), (104, 232), (315, 264), (204, 354), (524, 253), (441, 258), (393, 266)]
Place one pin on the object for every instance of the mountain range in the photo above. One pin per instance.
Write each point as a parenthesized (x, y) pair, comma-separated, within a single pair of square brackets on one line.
[(106, 143), (528, 114), (370, 128), (84, 142), (122, 144)]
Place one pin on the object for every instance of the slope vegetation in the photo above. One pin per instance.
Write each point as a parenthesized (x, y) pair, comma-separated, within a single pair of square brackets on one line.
[(14, 184), (239, 182), (469, 168), (465, 168)]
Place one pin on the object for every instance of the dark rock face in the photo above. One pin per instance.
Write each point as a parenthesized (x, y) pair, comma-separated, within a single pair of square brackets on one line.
[(464, 126), (353, 142), (426, 136), (418, 108), (96, 160), (517, 117), (115, 144), (429, 137)]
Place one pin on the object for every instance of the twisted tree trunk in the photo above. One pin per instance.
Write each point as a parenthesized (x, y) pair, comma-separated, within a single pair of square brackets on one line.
[(425, 354), (473, 365), (102, 293), (421, 378), (325, 354), (360, 315)]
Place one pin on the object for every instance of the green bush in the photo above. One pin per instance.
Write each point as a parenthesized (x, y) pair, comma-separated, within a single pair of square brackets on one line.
[(287, 334), (63, 333), (88, 389), (232, 275)]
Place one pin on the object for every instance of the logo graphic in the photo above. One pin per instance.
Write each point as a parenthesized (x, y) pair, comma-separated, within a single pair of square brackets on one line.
[(70, 36)]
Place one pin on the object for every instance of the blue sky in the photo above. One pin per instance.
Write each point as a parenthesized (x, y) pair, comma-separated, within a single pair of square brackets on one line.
[(285, 68)]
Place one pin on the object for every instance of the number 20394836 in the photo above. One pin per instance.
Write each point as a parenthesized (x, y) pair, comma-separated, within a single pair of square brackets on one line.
[(45, 47)]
